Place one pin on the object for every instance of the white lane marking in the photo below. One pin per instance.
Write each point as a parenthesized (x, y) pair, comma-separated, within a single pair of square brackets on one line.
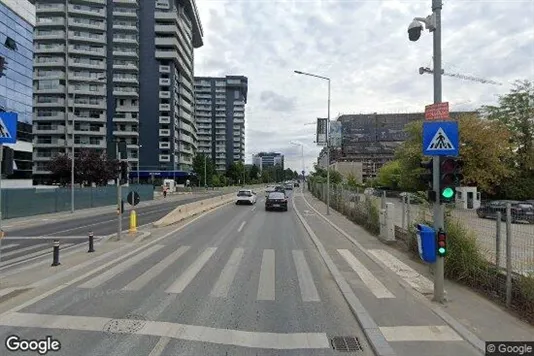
[(241, 226), (420, 333), (374, 285), (32, 247), (413, 278), (160, 346), (121, 267), (222, 287), (179, 285), (267, 276), (9, 246), (253, 208), (41, 252), (308, 290), (146, 277), (265, 340)]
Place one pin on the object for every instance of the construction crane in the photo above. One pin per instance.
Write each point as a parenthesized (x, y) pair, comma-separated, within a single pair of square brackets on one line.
[(423, 70)]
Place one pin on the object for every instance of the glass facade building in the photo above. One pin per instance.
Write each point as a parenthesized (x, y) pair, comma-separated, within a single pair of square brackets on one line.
[(16, 88)]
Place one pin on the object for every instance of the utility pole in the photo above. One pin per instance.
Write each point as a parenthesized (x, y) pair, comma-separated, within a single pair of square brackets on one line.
[(205, 171), (328, 155), (119, 193), (439, 270)]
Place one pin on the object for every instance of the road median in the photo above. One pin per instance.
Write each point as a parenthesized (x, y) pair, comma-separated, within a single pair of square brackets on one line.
[(186, 211)]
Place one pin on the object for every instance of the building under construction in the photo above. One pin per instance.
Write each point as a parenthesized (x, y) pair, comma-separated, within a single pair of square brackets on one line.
[(372, 139)]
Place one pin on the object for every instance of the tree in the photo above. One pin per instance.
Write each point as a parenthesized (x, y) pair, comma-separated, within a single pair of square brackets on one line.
[(516, 111), (351, 181), (389, 175), (254, 172), (198, 167), (60, 168), (484, 146), (91, 166)]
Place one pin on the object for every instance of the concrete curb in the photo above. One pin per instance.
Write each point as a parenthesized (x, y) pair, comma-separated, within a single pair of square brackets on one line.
[(379, 344), (143, 235), (470, 337)]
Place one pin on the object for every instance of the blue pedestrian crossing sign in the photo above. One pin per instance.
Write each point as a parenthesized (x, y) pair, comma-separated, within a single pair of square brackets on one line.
[(8, 127), (440, 138)]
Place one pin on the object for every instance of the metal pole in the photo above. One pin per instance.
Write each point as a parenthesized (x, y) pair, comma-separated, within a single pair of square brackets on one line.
[(439, 273), (72, 157), (498, 241), (205, 171), (328, 155), (508, 255), (119, 194)]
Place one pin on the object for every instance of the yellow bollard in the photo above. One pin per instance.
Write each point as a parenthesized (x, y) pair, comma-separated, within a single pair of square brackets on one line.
[(133, 222)]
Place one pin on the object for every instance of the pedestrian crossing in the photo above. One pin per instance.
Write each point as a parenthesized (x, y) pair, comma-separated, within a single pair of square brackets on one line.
[(221, 283)]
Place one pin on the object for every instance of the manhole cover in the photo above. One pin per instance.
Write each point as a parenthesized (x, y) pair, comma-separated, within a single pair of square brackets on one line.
[(346, 344), (127, 325)]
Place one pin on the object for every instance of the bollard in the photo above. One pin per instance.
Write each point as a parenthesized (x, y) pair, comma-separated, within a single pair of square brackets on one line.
[(55, 262), (133, 222), (91, 242)]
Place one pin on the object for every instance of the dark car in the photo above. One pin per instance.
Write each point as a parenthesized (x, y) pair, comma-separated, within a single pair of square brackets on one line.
[(276, 201), (280, 189), (520, 211)]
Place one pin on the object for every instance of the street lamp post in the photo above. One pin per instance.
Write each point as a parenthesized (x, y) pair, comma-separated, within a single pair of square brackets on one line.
[(327, 139), (138, 166), (433, 24)]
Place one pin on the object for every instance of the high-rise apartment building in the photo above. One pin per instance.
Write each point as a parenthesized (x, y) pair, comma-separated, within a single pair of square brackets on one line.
[(220, 116), (17, 19), (109, 70), (268, 159)]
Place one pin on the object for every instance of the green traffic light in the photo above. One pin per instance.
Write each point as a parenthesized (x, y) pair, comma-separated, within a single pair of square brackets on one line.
[(441, 250), (447, 193)]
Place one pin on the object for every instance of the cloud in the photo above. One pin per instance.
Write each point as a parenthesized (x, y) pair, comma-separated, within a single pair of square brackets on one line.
[(363, 47)]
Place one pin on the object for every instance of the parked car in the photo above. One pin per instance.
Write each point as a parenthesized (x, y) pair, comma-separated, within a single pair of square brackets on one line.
[(246, 196), (520, 211), (276, 201)]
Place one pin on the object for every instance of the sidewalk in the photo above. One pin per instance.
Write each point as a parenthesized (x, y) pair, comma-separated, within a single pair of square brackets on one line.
[(471, 311)]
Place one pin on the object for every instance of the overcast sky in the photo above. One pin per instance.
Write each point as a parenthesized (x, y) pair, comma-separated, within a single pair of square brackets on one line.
[(363, 46)]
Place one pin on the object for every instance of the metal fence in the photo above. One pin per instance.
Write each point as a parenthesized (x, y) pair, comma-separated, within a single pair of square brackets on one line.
[(495, 256), (26, 202)]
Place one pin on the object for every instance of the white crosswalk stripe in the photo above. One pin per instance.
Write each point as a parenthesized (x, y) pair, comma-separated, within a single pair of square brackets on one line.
[(29, 248), (146, 277), (222, 287), (183, 281), (121, 267), (308, 290), (266, 290), (5, 247), (374, 285)]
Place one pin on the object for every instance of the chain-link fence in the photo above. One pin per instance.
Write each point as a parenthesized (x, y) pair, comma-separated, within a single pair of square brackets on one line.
[(491, 250), (26, 202)]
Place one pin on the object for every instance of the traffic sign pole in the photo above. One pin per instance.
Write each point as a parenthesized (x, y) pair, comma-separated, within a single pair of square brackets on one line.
[(439, 270)]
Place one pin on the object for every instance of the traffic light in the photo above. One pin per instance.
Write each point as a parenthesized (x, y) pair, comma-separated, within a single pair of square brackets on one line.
[(7, 161), (442, 243), (450, 177), (426, 178), (124, 172)]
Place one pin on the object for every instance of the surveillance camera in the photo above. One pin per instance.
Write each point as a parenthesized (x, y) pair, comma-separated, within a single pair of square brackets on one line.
[(414, 30)]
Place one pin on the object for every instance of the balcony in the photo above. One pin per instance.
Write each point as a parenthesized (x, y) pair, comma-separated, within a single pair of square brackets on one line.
[(53, 143), (164, 107), (124, 12), (41, 62), (86, 37), (59, 102), (86, 12), (122, 117), (52, 35), (126, 133), (48, 9), (93, 52), (59, 89), (129, 66), (49, 130), (125, 92), (83, 24), (87, 65), (125, 52), (125, 40), (88, 104), (48, 49), (50, 22)]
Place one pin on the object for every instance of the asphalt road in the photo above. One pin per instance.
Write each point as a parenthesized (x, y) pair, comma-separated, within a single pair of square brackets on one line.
[(239, 281), (20, 250)]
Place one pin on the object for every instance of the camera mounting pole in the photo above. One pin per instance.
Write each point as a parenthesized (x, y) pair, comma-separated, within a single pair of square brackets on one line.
[(429, 21)]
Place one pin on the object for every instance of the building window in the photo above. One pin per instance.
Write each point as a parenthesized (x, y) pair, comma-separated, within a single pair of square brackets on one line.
[(236, 94), (10, 43)]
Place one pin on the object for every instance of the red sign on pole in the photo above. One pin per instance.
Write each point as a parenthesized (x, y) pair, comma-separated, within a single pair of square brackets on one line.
[(439, 111)]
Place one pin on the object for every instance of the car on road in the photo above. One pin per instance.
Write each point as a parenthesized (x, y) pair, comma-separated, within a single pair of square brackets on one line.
[(288, 186), (268, 190), (276, 201), (520, 211), (246, 196), (280, 188)]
